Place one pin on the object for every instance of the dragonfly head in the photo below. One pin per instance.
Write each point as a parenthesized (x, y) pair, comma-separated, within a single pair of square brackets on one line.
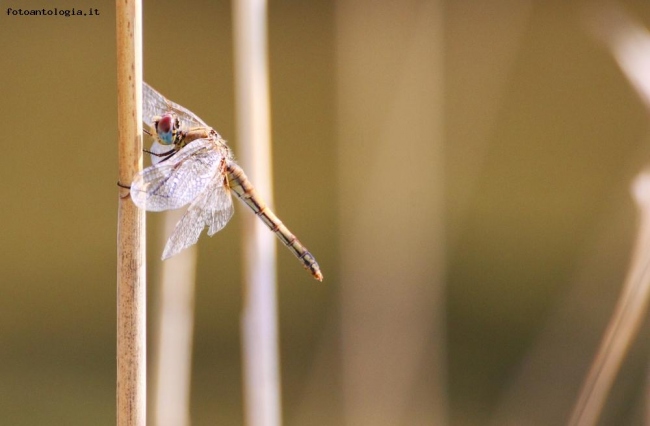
[(167, 128)]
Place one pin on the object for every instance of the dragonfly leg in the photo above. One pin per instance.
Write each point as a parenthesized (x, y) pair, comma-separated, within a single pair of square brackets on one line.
[(121, 185), (167, 154), (160, 154)]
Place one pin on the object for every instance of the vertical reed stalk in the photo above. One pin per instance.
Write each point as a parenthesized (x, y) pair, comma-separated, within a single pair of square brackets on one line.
[(174, 337), (628, 42), (392, 252), (131, 288), (626, 320), (259, 319)]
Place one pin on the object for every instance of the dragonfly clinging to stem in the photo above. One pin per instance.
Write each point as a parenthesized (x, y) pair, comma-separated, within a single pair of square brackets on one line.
[(192, 164)]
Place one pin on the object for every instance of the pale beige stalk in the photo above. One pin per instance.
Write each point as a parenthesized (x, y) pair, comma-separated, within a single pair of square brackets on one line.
[(259, 319), (628, 42), (173, 353), (131, 271), (624, 325), (390, 96)]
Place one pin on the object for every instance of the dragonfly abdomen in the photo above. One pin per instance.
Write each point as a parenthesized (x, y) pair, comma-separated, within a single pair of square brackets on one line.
[(245, 191)]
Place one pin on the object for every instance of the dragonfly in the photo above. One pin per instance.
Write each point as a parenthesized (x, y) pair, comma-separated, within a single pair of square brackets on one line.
[(192, 164)]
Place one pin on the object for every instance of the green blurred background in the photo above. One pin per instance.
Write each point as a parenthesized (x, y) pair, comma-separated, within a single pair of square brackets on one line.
[(471, 159)]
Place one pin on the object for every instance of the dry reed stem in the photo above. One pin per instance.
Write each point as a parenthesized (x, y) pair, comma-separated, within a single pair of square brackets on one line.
[(175, 328), (259, 319), (392, 247), (626, 320), (629, 42), (131, 283)]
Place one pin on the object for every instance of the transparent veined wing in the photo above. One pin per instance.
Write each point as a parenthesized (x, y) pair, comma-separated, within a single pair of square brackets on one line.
[(158, 148), (155, 104), (177, 181), (212, 208)]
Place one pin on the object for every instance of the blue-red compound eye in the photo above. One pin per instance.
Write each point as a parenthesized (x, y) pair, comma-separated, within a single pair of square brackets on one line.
[(164, 125)]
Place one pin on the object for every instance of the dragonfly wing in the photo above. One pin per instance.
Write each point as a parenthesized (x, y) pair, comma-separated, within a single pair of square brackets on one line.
[(173, 183), (155, 104), (212, 208), (186, 232), (221, 210), (158, 148)]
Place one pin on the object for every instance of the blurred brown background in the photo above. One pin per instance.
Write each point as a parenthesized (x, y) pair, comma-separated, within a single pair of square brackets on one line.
[(464, 172)]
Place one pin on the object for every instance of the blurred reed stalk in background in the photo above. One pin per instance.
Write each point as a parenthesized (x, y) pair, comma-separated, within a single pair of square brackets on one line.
[(259, 319), (174, 335), (625, 322), (630, 45), (131, 238), (390, 105)]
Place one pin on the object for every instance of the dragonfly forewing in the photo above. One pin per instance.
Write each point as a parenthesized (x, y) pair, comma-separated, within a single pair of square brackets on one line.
[(177, 181), (159, 152), (154, 104)]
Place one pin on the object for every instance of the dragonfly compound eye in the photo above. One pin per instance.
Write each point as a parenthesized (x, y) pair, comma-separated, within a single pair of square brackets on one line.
[(164, 125), (165, 129)]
